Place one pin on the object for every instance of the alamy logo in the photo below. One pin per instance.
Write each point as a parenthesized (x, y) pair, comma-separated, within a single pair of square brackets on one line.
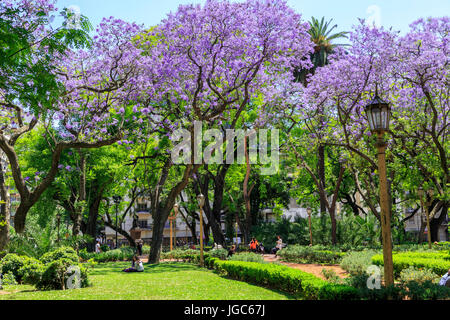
[(190, 149), (374, 19), (74, 280), (374, 280), (73, 17)]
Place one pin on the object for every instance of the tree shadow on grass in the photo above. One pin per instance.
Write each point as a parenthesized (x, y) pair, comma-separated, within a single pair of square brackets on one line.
[(165, 267), (171, 267)]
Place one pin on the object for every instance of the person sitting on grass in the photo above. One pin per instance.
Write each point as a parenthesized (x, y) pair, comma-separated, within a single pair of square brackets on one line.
[(445, 280), (133, 265), (136, 265)]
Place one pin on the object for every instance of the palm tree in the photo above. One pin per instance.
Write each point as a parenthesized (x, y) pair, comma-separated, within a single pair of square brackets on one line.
[(320, 33)]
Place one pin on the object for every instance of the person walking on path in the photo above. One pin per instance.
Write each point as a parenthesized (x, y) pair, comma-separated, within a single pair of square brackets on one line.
[(97, 247), (139, 247)]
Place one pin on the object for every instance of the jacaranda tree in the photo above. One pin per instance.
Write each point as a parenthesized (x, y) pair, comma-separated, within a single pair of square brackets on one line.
[(93, 86), (208, 63), (411, 72)]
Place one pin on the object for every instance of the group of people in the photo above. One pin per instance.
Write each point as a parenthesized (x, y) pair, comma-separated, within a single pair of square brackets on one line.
[(255, 246), (258, 247)]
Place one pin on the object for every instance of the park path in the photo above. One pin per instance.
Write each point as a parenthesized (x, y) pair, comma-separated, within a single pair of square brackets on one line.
[(315, 269)]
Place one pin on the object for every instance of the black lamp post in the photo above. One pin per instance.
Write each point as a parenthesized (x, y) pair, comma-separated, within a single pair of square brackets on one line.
[(378, 114), (117, 200)]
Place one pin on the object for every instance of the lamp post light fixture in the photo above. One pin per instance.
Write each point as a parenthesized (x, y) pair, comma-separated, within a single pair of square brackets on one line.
[(309, 210), (201, 202), (117, 200), (378, 114)]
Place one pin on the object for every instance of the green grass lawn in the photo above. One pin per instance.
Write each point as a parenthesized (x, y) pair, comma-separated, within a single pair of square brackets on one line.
[(166, 281)]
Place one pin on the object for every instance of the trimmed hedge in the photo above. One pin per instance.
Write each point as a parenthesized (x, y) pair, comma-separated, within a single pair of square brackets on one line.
[(437, 262), (286, 279), (271, 275)]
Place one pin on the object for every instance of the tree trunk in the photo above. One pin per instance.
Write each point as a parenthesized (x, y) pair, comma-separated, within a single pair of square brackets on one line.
[(159, 220), (321, 175), (193, 228), (91, 225), (4, 212), (435, 223), (161, 214), (219, 185), (246, 192), (333, 227), (82, 195), (213, 214)]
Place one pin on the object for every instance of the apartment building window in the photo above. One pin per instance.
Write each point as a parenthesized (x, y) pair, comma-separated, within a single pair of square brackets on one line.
[(142, 207), (143, 224)]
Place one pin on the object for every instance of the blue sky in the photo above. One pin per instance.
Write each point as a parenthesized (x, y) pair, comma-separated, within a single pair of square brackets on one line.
[(389, 13)]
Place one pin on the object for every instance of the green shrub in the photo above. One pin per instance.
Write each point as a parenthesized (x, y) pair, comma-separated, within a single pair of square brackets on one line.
[(218, 253), (359, 282), (305, 254), (31, 272), (56, 275), (210, 261), (179, 254), (60, 253), (426, 290), (357, 262), (436, 262), (8, 280), (247, 256), (13, 263), (331, 276), (85, 255), (418, 275), (124, 253), (146, 249)]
